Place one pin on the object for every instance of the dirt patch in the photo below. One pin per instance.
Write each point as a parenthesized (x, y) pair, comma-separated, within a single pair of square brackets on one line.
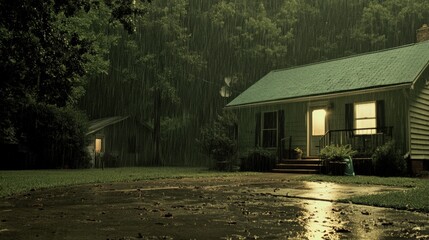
[(250, 207)]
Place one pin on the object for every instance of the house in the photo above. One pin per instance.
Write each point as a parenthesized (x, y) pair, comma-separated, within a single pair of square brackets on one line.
[(119, 141), (362, 100)]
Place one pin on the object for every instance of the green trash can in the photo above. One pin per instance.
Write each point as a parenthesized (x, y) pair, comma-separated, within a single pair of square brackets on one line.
[(349, 170)]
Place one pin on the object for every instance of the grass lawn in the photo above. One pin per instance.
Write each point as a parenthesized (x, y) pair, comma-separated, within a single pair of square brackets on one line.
[(415, 197), (14, 182)]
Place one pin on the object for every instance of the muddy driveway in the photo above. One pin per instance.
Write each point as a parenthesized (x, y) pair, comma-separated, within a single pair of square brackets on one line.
[(269, 206)]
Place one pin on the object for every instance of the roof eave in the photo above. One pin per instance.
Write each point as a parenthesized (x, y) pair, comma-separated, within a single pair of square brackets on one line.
[(419, 74), (96, 129), (324, 95)]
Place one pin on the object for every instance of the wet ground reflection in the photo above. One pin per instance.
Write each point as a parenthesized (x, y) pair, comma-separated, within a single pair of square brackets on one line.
[(183, 209), (317, 219)]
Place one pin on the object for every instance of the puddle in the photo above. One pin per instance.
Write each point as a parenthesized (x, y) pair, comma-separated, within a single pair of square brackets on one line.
[(222, 209), (324, 191)]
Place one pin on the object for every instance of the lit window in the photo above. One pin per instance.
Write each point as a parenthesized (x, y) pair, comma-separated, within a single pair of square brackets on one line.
[(318, 122), (98, 145), (269, 129), (365, 118)]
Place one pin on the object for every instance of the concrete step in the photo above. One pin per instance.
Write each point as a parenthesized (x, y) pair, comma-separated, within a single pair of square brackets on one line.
[(306, 166), (302, 171), (297, 166), (300, 161)]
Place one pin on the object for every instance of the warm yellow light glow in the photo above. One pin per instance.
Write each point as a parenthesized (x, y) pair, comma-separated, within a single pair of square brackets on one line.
[(365, 117), (318, 122), (365, 110), (98, 145)]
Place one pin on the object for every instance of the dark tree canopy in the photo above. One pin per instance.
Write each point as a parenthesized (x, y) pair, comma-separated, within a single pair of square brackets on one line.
[(43, 62), (47, 58)]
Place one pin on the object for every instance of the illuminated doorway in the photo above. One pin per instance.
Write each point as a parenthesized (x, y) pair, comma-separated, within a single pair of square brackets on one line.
[(317, 128)]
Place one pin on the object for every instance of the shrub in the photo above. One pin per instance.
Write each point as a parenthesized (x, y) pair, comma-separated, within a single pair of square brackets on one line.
[(258, 159), (388, 161), (54, 136), (218, 141)]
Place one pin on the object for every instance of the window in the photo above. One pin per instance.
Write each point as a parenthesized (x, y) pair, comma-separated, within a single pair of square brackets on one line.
[(99, 145), (318, 117), (365, 117), (269, 129)]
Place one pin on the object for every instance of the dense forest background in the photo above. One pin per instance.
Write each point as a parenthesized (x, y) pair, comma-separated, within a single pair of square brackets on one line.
[(166, 67)]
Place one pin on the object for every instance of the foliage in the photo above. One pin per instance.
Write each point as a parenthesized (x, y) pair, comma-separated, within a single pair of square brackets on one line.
[(55, 137), (217, 140), (263, 152), (154, 67), (45, 59), (251, 32), (337, 152), (298, 150), (92, 26), (258, 159), (388, 161), (241, 38), (382, 22), (39, 60), (72, 42)]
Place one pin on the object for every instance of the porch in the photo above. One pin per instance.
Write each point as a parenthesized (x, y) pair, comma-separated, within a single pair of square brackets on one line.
[(363, 140)]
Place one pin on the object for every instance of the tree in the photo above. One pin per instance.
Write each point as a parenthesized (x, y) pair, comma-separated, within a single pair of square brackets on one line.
[(43, 61), (39, 61), (256, 38), (390, 23), (157, 63), (219, 139)]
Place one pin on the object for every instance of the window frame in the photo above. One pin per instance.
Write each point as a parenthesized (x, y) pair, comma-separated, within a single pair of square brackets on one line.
[(263, 129), (365, 131)]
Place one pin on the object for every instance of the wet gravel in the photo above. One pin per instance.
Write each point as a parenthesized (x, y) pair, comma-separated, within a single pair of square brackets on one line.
[(270, 207)]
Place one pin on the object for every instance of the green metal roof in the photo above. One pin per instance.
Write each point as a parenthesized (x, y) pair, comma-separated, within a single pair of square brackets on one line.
[(371, 70)]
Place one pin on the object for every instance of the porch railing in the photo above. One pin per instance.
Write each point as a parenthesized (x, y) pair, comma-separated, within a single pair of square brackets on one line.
[(364, 140)]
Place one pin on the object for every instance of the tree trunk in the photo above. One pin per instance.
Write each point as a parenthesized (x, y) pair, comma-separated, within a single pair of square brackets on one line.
[(157, 127)]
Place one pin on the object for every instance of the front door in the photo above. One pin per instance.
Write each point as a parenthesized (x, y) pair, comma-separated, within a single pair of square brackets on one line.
[(317, 129)]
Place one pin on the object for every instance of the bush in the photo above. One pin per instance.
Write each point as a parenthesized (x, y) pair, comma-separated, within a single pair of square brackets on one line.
[(388, 161), (218, 141), (55, 137), (259, 160)]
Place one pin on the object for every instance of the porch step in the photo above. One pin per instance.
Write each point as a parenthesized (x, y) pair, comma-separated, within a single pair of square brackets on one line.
[(302, 171), (300, 161), (307, 166), (296, 165)]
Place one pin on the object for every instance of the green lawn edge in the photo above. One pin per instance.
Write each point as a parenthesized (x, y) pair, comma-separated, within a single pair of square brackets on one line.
[(21, 181), (415, 196)]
